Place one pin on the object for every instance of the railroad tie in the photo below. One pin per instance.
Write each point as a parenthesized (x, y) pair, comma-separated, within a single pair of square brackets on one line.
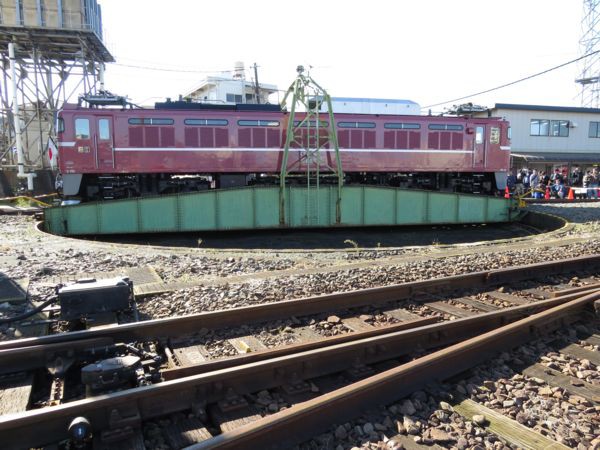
[(506, 428)]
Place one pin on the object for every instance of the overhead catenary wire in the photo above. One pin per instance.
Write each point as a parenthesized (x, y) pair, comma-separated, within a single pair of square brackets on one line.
[(529, 77)]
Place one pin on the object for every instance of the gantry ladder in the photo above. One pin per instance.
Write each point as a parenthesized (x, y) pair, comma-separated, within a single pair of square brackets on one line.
[(315, 140)]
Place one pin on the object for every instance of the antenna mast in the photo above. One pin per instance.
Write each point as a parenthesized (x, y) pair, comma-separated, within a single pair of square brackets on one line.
[(589, 78)]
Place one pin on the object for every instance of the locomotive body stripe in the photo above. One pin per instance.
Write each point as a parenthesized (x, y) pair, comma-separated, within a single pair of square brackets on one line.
[(225, 149), (66, 144)]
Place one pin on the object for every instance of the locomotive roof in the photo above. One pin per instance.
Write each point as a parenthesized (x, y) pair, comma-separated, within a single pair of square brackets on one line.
[(267, 108)]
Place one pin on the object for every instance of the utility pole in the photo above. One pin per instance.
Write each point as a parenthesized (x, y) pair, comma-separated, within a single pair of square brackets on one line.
[(256, 89)]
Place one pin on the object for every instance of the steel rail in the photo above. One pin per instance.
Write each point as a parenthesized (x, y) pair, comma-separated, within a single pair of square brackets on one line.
[(173, 326), (300, 422), (134, 405), (30, 353), (262, 355), (223, 363)]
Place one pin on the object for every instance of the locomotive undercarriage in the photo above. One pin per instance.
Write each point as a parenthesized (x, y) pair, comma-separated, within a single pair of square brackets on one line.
[(108, 187)]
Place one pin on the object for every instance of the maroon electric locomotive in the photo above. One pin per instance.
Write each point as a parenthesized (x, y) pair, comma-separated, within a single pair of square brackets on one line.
[(110, 153)]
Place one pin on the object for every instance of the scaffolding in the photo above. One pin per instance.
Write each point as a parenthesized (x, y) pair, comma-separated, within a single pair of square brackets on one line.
[(589, 77), (314, 140), (43, 68)]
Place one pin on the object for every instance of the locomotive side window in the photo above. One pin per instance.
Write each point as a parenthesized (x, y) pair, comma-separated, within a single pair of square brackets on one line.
[(206, 122), (161, 121), (402, 126), (479, 135), (82, 128), (439, 126), (150, 121), (60, 125), (312, 124), (356, 124), (103, 129), (258, 123)]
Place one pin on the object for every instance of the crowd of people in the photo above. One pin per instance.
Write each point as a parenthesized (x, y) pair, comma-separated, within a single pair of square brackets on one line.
[(558, 183)]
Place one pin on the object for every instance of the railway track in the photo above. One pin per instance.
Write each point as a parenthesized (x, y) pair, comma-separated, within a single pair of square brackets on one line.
[(351, 345)]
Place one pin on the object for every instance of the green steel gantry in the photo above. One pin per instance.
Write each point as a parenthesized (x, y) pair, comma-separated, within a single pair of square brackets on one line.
[(305, 136)]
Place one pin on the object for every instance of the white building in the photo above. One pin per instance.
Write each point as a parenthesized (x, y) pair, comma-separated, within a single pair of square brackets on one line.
[(354, 105), (232, 89), (548, 137)]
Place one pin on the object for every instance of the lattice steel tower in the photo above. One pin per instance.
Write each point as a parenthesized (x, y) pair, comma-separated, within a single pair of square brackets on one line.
[(50, 52), (589, 78)]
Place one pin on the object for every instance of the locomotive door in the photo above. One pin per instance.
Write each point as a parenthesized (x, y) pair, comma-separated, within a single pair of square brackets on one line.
[(103, 143), (479, 147), (84, 156)]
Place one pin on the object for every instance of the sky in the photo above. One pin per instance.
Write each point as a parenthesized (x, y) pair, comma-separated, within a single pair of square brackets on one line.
[(428, 51)]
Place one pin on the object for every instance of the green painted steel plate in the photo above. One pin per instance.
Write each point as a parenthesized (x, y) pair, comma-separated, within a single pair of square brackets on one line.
[(258, 208)]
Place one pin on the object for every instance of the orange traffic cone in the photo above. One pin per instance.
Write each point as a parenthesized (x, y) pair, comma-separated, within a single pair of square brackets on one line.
[(506, 192), (571, 195), (547, 195)]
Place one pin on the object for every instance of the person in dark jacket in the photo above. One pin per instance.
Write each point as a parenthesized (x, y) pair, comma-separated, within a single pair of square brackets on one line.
[(576, 177), (558, 188)]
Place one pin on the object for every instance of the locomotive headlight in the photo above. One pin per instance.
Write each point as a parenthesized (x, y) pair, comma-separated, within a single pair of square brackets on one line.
[(80, 431)]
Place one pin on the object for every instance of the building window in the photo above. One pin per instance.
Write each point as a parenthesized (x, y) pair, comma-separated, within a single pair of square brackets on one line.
[(104, 129), (402, 126), (258, 123), (594, 130), (234, 98), (539, 127), (356, 124), (441, 126), (554, 128), (206, 122), (19, 12), (149, 121), (559, 128), (82, 129)]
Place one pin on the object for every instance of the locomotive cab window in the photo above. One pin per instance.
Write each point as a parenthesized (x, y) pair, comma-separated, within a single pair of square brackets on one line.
[(479, 135), (82, 128), (60, 125), (103, 129)]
